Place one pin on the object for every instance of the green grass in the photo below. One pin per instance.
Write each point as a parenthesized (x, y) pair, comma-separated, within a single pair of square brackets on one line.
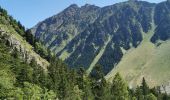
[(147, 60), (56, 49), (64, 55), (99, 55)]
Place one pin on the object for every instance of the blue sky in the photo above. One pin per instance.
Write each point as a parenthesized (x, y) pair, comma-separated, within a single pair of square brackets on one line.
[(30, 12)]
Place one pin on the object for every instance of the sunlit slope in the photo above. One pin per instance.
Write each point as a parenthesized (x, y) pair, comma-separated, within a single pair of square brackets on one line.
[(147, 61), (21, 45)]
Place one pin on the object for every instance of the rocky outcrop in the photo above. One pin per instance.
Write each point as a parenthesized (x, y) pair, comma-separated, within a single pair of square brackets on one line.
[(19, 44), (165, 88)]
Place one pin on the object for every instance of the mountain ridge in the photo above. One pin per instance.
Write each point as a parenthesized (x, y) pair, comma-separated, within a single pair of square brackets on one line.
[(102, 35)]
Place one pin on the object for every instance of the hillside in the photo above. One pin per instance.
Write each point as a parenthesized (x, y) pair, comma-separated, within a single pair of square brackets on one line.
[(151, 58), (22, 70), (83, 37), (131, 37), (147, 60), (13, 34), (25, 74)]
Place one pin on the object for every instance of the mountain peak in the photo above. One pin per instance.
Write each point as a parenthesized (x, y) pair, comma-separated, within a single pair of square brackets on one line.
[(133, 0), (89, 6), (71, 10), (73, 6)]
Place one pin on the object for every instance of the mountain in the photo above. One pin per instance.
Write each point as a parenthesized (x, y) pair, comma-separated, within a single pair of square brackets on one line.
[(29, 71), (130, 37)]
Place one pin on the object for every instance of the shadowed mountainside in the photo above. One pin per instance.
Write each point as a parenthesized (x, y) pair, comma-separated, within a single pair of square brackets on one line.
[(124, 35)]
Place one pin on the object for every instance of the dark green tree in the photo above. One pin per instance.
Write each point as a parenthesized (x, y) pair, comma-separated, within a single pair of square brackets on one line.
[(21, 26), (99, 84), (25, 74), (29, 37), (131, 94), (119, 89), (63, 88), (80, 77), (36, 71), (138, 93), (145, 87), (85, 84)]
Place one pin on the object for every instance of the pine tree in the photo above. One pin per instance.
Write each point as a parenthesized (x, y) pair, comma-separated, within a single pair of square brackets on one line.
[(131, 94), (53, 73), (80, 77), (103, 86), (145, 87), (42, 78), (63, 88), (99, 85), (4, 12), (25, 74), (84, 83), (88, 95), (98, 72), (119, 89), (21, 27), (60, 79), (36, 71), (29, 37), (138, 93)]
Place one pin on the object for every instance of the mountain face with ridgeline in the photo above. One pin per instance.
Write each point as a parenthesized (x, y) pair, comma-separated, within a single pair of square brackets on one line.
[(130, 37)]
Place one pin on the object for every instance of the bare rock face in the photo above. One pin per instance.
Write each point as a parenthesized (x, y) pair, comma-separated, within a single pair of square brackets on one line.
[(165, 88), (21, 46)]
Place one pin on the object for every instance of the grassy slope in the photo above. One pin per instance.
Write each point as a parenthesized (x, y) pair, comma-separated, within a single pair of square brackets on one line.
[(65, 54), (64, 43), (147, 61), (96, 59)]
